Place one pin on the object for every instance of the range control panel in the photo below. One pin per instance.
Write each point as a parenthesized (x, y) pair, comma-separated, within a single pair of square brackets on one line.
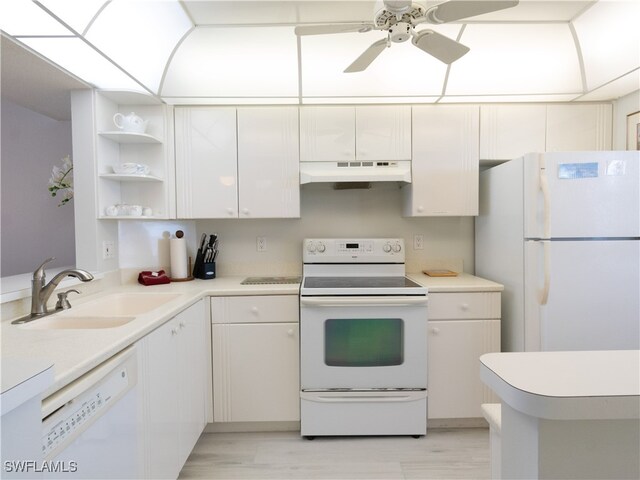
[(348, 250)]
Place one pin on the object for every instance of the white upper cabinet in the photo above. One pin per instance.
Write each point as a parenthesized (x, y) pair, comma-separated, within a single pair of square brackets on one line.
[(445, 162), (327, 134), (268, 162), (237, 163), (383, 133), (510, 131), (206, 162), (579, 127), (363, 133)]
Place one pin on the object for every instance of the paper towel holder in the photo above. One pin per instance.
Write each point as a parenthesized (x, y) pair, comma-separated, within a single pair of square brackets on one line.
[(180, 234)]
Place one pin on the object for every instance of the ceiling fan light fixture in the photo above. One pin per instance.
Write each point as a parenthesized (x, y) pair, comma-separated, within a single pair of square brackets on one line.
[(400, 32)]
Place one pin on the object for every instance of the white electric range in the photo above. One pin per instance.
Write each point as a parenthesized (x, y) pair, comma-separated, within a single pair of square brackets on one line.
[(363, 340)]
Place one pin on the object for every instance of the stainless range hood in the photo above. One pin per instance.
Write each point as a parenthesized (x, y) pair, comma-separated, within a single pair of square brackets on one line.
[(370, 171)]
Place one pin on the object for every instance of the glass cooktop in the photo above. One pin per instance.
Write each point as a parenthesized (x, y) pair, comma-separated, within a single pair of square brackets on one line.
[(359, 282)]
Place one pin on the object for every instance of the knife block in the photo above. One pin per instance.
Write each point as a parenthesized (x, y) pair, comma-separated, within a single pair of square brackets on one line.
[(203, 270)]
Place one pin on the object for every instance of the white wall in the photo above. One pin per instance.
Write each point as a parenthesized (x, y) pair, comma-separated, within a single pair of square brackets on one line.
[(448, 241), (621, 108), (33, 226)]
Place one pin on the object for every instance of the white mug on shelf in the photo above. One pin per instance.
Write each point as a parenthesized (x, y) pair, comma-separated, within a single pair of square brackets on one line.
[(130, 123)]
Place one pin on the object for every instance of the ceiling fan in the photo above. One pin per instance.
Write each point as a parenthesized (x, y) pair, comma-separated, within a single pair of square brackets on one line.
[(400, 17)]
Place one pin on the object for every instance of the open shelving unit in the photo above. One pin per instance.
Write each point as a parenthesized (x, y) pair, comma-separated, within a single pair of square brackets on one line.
[(152, 148)]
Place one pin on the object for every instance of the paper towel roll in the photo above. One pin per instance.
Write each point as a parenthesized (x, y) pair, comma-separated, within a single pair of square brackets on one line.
[(178, 252)]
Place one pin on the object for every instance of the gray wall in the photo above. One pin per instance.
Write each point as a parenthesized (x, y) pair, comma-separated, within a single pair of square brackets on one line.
[(33, 226)]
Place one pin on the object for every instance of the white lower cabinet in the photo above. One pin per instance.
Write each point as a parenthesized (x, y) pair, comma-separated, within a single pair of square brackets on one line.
[(174, 364), (255, 346), (462, 327)]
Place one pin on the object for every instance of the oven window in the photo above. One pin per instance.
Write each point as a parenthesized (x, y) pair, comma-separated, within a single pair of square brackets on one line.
[(364, 342)]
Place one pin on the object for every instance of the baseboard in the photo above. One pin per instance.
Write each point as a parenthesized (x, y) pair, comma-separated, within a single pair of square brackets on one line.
[(227, 427), (457, 423)]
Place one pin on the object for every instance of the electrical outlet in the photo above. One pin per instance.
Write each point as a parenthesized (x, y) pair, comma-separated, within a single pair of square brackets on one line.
[(418, 242), (108, 249), (261, 244)]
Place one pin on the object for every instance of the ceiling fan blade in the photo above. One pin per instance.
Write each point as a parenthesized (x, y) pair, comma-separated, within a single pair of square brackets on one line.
[(368, 56), (458, 9), (326, 29), (439, 46)]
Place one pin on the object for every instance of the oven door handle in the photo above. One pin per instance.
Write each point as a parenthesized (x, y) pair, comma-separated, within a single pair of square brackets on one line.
[(363, 301)]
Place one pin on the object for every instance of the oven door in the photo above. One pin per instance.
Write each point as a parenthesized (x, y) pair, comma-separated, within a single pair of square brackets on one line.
[(362, 343)]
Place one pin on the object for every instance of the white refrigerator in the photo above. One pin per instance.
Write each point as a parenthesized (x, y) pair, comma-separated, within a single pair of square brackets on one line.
[(561, 232)]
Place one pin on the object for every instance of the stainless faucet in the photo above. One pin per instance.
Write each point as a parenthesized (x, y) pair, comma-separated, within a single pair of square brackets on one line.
[(41, 291)]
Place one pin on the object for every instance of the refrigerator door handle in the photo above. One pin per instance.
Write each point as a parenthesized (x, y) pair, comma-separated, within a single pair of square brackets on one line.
[(546, 260), (544, 186)]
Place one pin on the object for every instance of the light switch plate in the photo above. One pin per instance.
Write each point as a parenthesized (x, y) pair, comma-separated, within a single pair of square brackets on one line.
[(108, 249)]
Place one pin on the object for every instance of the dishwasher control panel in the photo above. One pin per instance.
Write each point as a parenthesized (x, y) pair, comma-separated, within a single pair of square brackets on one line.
[(66, 423)]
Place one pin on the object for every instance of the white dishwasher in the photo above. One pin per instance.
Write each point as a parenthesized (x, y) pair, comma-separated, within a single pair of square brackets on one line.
[(90, 427)]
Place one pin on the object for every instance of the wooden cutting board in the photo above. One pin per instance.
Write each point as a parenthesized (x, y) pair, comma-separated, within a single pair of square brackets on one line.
[(440, 273)]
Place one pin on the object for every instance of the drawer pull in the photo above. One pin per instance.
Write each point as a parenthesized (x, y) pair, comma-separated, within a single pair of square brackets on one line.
[(464, 306), (254, 310)]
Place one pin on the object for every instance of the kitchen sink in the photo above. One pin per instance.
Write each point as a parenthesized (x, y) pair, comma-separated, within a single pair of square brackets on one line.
[(62, 322), (124, 304)]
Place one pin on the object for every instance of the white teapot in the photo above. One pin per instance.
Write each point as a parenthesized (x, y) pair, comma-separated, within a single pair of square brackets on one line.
[(130, 122)]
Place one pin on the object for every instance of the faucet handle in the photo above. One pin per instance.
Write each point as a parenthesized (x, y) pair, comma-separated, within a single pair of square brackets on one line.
[(39, 272), (63, 302)]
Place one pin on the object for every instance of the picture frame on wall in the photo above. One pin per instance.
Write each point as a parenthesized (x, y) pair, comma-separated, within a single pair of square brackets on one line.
[(633, 131)]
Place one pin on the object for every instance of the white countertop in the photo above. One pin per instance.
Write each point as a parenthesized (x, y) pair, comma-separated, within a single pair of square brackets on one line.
[(23, 379), (464, 282), (75, 352), (567, 385)]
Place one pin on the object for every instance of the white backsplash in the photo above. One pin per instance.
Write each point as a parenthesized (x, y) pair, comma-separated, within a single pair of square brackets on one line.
[(448, 241)]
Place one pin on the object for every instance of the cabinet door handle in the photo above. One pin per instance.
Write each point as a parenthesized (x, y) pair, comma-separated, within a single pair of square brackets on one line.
[(182, 324), (290, 332), (435, 330), (420, 209), (245, 211), (230, 211), (174, 331)]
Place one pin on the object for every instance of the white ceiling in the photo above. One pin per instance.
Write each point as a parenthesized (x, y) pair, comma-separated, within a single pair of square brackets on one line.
[(218, 52)]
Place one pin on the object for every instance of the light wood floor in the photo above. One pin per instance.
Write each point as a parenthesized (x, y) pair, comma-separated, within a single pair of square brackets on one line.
[(443, 453)]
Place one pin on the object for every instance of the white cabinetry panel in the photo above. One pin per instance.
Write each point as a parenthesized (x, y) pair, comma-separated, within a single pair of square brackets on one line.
[(363, 133), (579, 127), (445, 162), (255, 347), (268, 162), (510, 131), (206, 162), (174, 367), (455, 347), (383, 133), (456, 306), (327, 134), (255, 371)]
